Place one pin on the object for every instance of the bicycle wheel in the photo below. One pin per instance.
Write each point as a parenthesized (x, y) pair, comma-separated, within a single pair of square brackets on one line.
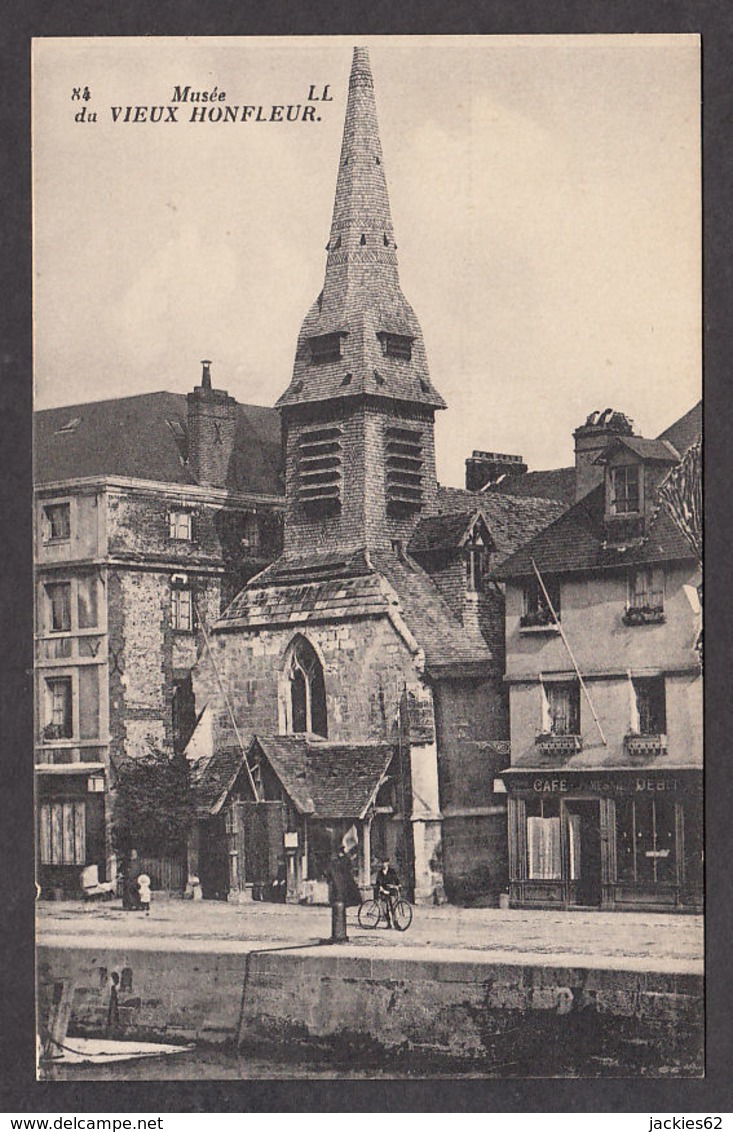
[(402, 915), (369, 914)]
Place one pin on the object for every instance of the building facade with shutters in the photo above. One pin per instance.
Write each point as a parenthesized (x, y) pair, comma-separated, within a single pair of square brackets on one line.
[(604, 674), (150, 512)]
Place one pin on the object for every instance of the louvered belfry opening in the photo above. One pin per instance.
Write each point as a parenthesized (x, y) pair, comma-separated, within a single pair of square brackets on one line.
[(404, 469), (320, 468)]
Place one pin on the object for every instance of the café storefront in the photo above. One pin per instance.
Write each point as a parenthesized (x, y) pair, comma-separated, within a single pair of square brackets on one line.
[(611, 839)]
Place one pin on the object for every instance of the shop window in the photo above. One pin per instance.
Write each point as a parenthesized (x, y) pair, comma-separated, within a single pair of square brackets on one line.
[(58, 596), (536, 609), (645, 840), (625, 493), (543, 839), (62, 833), (181, 607), (57, 522), (561, 708), (58, 714), (306, 690), (179, 525), (649, 707)]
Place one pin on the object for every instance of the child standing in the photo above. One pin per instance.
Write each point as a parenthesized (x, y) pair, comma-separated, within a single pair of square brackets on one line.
[(143, 887)]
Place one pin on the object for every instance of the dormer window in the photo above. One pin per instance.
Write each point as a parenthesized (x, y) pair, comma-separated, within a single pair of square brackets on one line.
[(325, 348), (477, 561), (625, 493), (396, 346)]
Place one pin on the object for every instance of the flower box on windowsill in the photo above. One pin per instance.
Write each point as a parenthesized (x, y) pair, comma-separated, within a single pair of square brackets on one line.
[(53, 732), (645, 745), (539, 621), (644, 615), (559, 744)]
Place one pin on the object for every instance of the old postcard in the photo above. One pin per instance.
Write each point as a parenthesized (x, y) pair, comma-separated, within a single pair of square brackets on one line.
[(367, 528)]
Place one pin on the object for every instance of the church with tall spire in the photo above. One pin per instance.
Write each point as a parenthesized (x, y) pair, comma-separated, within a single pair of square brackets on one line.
[(352, 691), (358, 413)]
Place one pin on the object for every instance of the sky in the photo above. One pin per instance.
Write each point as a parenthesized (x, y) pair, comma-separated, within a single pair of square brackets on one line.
[(545, 195)]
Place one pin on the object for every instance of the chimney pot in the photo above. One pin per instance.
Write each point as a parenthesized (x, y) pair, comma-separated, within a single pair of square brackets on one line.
[(206, 375)]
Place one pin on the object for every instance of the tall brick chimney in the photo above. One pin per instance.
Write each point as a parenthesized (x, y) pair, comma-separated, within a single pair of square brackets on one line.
[(212, 426), (483, 468), (590, 439)]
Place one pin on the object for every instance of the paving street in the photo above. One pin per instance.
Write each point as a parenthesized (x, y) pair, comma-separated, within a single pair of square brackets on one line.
[(632, 941)]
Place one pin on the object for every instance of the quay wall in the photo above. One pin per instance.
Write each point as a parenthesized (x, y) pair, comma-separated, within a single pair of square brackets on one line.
[(454, 1007)]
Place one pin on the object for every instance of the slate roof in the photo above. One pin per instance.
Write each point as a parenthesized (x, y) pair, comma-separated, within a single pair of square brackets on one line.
[(442, 532), (132, 437), (511, 520), (554, 483), (213, 778), (302, 590), (361, 296), (441, 636), (686, 430), (657, 451), (576, 542), (328, 587), (324, 779)]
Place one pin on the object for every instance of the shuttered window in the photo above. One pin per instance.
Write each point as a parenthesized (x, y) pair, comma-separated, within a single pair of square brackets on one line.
[(320, 467), (404, 469), (62, 833)]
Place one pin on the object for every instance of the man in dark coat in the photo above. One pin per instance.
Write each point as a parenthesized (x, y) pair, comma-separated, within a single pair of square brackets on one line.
[(343, 893), (386, 887)]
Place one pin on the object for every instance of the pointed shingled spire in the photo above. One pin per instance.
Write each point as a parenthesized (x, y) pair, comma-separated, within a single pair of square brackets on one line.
[(361, 302)]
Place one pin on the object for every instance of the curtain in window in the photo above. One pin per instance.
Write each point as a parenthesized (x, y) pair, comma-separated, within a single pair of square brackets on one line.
[(543, 848)]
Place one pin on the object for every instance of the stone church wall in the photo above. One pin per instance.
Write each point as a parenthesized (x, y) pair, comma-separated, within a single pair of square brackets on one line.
[(366, 669)]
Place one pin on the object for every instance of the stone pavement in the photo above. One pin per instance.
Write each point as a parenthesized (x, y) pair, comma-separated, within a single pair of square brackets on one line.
[(640, 941)]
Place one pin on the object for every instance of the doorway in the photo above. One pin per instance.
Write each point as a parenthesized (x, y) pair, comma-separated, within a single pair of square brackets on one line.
[(583, 823)]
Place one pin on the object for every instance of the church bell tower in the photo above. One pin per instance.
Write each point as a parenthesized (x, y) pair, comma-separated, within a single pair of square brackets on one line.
[(358, 415)]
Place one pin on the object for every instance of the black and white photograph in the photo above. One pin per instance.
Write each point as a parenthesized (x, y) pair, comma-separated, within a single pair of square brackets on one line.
[(367, 540)]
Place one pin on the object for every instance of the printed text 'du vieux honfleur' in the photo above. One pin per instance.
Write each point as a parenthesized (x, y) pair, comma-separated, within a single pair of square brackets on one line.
[(189, 105)]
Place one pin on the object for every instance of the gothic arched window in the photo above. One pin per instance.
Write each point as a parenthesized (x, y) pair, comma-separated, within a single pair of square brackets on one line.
[(306, 690)]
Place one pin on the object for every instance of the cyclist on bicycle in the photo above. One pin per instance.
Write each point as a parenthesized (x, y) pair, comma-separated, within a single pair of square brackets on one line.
[(386, 887)]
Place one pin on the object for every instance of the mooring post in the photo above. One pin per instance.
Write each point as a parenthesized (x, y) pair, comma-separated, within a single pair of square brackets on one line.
[(59, 1016), (338, 922)]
